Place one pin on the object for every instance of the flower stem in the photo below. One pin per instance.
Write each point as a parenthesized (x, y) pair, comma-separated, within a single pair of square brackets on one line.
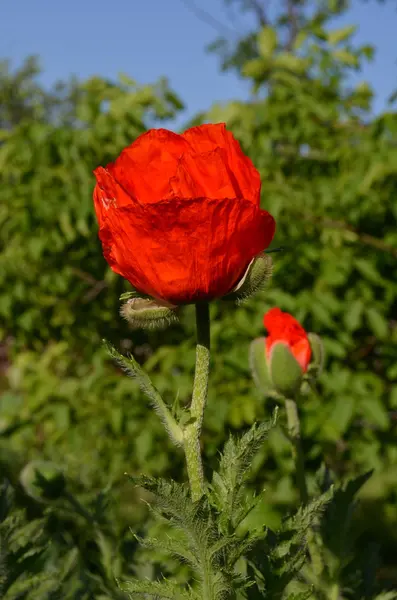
[(294, 430), (334, 593), (79, 508), (192, 430)]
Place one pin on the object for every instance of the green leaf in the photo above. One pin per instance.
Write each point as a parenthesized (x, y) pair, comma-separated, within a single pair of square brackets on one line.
[(132, 368), (290, 62), (393, 397), (368, 270), (256, 69), (353, 315), (375, 412), (300, 39), (340, 417), (377, 323), (345, 57), (336, 36), (267, 42), (234, 467)]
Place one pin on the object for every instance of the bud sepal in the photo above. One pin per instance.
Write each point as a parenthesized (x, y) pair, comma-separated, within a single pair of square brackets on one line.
[(255, 278), (259, 366), (285, 372), (318, 355)]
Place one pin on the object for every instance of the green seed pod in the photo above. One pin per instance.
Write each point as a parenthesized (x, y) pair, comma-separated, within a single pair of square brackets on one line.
[(147, 313), (43, 480), (257, 275)]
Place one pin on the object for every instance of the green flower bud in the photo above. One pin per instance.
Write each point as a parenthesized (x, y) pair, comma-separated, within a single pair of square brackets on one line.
[(255, 278), (277, 373), (147, 313), (42, 480)]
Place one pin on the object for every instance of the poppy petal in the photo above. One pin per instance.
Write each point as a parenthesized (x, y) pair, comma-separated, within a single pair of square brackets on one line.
[(145, 168), (205, 138), (179, 215), (283, 327), (207, 175), (156, 249), (302, 352)]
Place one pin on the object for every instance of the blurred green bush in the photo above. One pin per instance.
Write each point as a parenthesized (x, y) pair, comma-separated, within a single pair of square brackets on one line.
[(329, 173)]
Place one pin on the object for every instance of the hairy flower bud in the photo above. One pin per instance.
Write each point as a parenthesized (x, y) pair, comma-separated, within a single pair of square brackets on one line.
[(275, 372), (147, 313), (282, 362)]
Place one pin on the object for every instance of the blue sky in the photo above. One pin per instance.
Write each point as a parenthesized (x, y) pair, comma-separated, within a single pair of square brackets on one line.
[(150, 38)]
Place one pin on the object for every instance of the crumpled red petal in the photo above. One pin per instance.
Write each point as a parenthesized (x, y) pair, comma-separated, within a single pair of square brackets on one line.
[(180, 250), (204, 161), (145, 168), (247, 181)]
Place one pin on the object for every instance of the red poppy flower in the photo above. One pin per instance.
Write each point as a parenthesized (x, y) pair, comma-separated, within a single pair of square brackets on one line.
[(179, 215), (283, 328)]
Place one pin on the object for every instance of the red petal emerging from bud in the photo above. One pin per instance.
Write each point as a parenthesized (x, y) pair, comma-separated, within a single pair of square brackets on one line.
[(283, 327)]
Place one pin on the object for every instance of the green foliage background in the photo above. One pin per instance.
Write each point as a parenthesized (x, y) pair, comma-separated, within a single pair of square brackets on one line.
[(329, 176)]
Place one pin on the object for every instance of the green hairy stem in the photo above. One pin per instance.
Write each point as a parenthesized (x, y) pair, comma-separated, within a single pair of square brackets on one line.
[(192, 430), (294, 431)]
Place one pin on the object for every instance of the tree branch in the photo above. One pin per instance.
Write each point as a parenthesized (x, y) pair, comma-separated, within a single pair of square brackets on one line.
[(258, 8), (207, 18), (293, 23)]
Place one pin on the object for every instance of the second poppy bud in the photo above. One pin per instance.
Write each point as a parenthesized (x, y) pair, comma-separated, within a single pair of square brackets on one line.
[(280, 361)]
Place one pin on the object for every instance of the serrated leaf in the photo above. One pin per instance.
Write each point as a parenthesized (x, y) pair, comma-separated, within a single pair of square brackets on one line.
[(236, 460), (161, 590)]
